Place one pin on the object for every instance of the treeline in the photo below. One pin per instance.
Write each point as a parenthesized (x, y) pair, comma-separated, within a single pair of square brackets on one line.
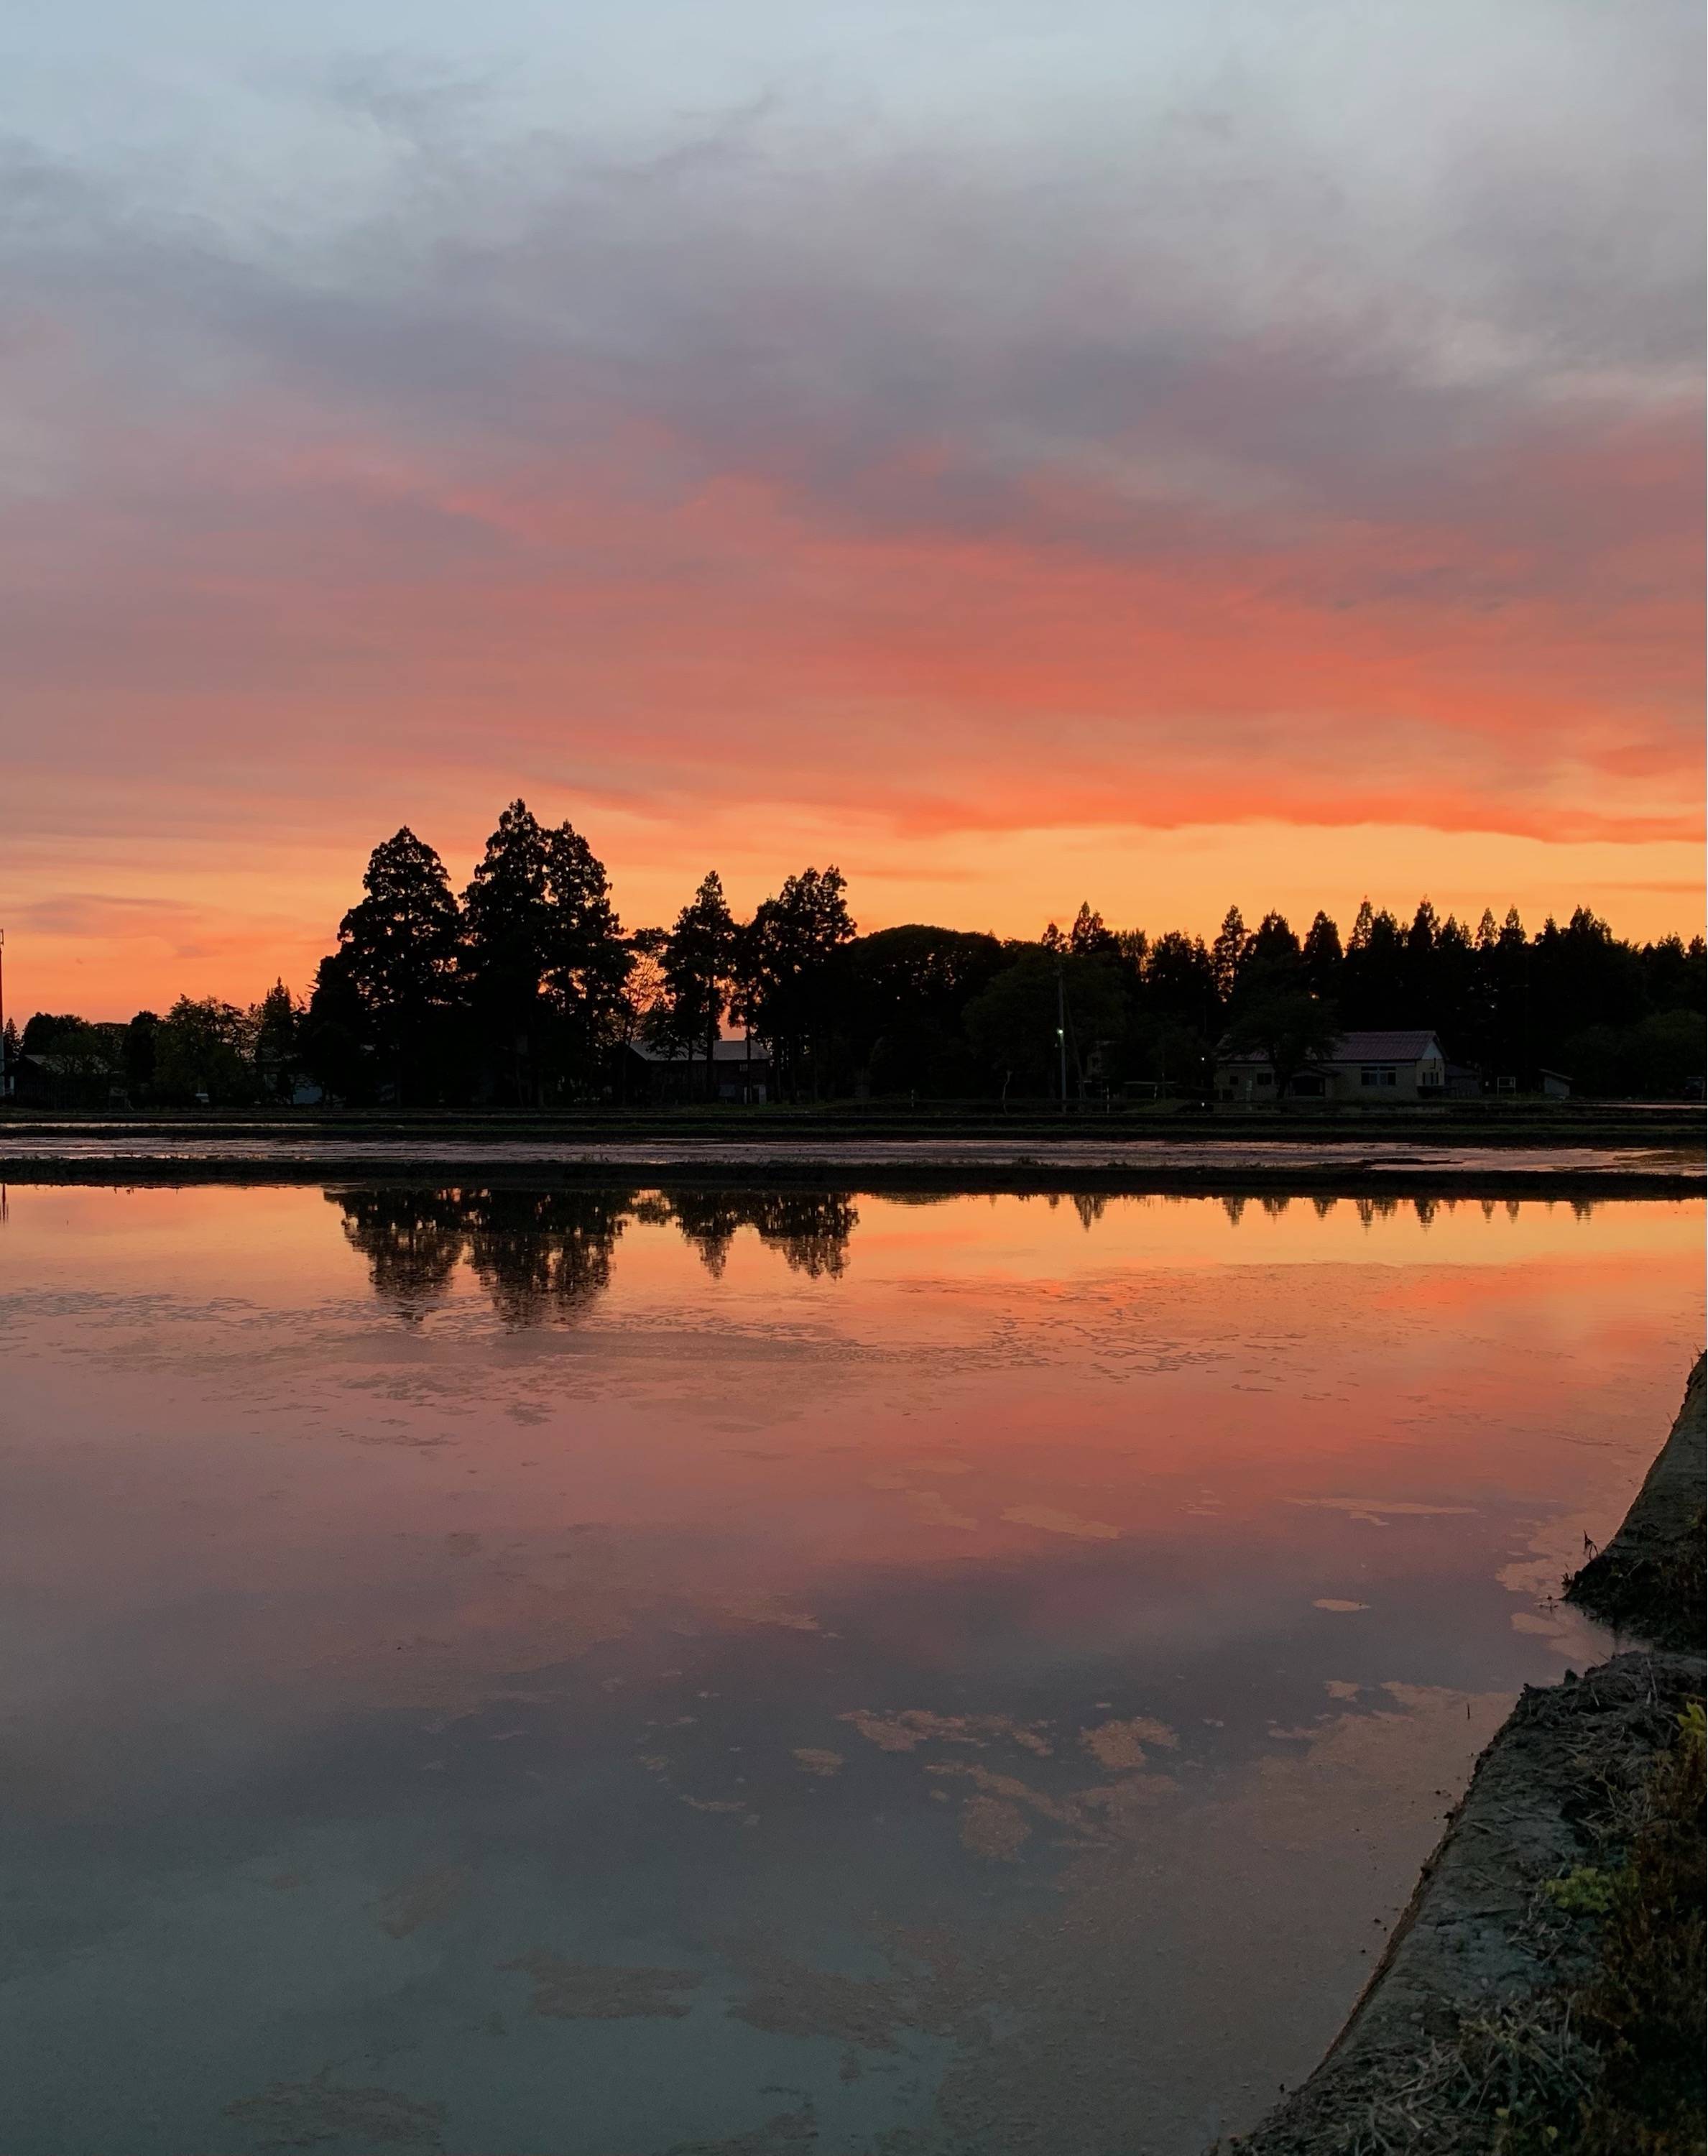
[(202, 1049), (526, 990)]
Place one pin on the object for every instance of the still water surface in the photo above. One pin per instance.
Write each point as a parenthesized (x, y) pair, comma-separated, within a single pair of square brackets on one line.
[(763, 1675)]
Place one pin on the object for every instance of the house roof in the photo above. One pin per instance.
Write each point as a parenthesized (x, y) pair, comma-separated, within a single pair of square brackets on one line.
[(57, 1066), (1408, 1044), (723, 1051), (1401, 1045)]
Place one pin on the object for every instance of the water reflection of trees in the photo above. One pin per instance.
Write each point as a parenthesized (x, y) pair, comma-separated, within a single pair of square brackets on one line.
[(544, 1255), (411, 1242)]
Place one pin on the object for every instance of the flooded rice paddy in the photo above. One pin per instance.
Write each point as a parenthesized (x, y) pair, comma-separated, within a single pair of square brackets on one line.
[(608, 1673)]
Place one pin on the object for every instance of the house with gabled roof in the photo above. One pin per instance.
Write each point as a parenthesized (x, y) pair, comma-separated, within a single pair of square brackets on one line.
[(1373, 1065)]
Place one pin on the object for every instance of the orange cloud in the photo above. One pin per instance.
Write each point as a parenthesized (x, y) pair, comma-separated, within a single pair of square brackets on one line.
[(257, 641)]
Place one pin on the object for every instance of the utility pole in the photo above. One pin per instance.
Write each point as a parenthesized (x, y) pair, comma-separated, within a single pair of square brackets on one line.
[(1061, 1023)]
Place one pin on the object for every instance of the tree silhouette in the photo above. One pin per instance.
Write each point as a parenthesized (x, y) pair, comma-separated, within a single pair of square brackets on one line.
[(45, 1032), (137, 1055), (699, 962), (505, 915), (902, 995), (204, 1050), (544, 958), (333, 1043), (1228, 953), (586, 959), (1272, 951), (787, 990), (1088, 937), (526, 991), (276, 1027), (1372, 983), (398, 946), (1322, 957)]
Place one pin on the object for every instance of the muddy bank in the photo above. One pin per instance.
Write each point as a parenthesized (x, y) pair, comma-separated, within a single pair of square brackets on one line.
[(1479, 2029), (1649, 1581), (1470, 1973)]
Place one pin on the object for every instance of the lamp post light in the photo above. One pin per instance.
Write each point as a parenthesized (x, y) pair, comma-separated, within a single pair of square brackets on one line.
[(1061, 1025)]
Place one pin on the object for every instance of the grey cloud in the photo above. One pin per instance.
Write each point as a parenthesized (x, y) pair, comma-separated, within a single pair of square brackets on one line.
[(1210, 321)]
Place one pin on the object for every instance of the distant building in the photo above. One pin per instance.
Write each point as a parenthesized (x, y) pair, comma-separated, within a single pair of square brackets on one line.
[(741, 1068), (62, 1081), (1404, 1064), (1532, 1078)]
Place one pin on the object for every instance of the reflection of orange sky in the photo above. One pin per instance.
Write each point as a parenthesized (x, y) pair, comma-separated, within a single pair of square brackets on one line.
[(989, 1382), (981, 730)]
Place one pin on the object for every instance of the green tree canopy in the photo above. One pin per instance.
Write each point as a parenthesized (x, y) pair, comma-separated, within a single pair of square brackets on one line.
[(204, 1050)]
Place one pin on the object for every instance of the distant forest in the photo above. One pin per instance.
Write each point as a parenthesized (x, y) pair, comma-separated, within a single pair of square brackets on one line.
[(527, 991)]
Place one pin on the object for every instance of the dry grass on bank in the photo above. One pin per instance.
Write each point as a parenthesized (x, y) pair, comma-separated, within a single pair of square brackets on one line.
[(1610, 2062)]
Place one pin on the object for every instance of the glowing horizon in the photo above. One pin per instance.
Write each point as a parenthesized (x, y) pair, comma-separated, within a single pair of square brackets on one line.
[(1222, 457)]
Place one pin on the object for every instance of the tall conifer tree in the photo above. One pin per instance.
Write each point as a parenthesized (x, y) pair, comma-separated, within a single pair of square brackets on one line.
[(699, 960)]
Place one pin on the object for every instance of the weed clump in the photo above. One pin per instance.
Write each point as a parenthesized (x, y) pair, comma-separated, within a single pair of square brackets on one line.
[(1611, 2064), (1642, 2008), (1651, 1592)]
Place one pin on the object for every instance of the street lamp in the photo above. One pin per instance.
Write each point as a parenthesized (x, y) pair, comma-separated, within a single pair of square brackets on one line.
[(1061, 1023)]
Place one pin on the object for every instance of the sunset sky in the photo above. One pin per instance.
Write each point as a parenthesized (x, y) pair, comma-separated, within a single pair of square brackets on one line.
[(1164, 452)]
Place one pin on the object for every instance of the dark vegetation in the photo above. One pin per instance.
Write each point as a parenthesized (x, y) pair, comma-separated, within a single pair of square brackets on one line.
[(527, 992), (1641, 2006)]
